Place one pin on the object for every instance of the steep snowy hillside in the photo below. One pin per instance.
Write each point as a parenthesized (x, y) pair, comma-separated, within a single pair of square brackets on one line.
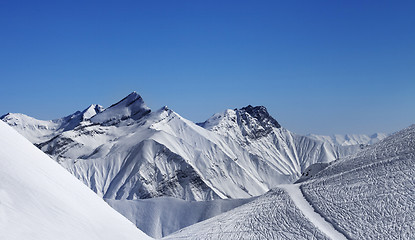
[(350, 139), (160, 217), (128, 152), (370, 195), (40, 200)]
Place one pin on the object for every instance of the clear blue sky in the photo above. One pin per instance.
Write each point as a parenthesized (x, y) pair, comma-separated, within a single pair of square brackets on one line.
[(318, 66)]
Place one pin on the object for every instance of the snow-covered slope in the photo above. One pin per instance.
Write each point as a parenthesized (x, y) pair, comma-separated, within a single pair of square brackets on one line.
[(271, 216), (40, 200), (260, 134), (350, 139), (160, 217), (370, 195), (128, 152)]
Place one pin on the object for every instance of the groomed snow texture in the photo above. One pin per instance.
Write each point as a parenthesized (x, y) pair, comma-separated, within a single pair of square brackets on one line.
[(271, 216), (370, 195)]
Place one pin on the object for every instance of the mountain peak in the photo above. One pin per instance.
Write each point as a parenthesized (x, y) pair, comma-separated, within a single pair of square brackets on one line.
[(261, 114), (253, 122), (130, 98), (91, 111), (132, 106)]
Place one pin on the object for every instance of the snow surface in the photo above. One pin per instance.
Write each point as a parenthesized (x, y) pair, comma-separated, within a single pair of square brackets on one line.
[(318, 221), (370, 195), (159, 217), (41, 200), (311, 171), (271, 216)]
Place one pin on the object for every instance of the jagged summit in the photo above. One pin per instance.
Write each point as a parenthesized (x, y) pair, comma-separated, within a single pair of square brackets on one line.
[(261, 114), (249, 121), (132, 106)]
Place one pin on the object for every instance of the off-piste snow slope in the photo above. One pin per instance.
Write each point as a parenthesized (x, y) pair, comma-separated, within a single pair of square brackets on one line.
[(129, 152), (369, 195), (41, 200)]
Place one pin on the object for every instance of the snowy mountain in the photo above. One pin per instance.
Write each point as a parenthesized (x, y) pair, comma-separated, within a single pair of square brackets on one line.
[(129, 152), (259, 133), (247, 140), (37, 131), (367, 195), (350, 139), (40, 200)]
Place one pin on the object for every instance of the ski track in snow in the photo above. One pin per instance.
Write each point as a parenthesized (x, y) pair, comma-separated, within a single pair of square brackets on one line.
[(319, 222)]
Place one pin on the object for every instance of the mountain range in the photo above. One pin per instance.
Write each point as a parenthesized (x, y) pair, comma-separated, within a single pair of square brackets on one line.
[(149, 165), (127, 151)]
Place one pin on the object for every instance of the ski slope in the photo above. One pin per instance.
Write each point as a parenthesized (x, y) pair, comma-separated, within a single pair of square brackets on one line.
[(40, 200), (271, 216), (309, 212), (370, 195)]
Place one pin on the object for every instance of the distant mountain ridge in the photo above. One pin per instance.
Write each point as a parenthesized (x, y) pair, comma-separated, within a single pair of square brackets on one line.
[(350, 139), (127, 151)]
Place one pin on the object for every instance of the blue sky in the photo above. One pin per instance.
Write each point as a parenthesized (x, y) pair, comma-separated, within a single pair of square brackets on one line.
[(318, 66)]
